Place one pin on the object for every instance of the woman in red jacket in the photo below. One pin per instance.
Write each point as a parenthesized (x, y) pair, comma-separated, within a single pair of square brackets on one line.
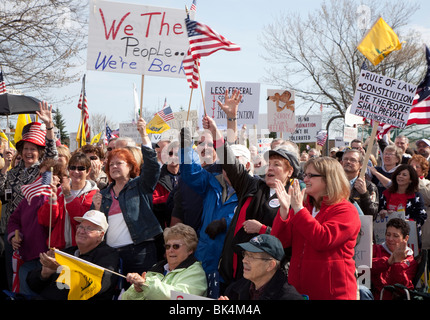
[(322, 232), (72, 199)]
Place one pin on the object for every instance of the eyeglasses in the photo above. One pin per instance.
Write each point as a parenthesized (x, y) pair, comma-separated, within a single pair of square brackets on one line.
[(175, 246), (87, 229), (311, 175), (389, 154), (116, 164), (352, 160), (94, 158), (247, 255), (79, 168)]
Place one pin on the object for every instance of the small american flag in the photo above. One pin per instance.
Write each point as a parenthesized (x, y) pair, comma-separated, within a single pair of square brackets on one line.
[(39, 187), (166, 114), (321, 137), (193, 6), (2, 84), (204, 41), (82, 105)]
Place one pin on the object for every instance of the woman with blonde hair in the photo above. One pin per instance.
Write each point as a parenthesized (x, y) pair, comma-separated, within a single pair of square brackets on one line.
[(322, 231)]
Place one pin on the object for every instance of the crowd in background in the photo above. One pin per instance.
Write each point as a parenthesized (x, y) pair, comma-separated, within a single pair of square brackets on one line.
[(208, 216)]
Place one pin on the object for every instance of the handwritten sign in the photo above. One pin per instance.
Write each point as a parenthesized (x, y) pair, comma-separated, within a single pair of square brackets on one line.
[(248, 107), (306, 128), (136, 39), (281, 111), (383, 99)]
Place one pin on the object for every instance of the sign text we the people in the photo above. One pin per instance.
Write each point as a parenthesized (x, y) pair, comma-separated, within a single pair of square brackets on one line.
[(136, 39), (383, 99)]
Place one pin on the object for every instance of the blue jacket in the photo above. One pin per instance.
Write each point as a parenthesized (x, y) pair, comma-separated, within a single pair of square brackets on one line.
[(135, 200), (215, 207)]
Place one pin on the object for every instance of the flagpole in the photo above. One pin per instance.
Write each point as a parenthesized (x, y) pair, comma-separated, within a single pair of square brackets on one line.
[(50, 211), (201, 89), (189, 104), (369, 149), (141, 96)]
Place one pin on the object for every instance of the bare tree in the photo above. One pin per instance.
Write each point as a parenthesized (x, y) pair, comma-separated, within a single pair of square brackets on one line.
[(40, 42), (317, 56)]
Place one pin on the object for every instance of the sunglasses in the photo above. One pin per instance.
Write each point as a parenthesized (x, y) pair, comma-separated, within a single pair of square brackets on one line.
[(175, 246), (79, 168), (94, 158)]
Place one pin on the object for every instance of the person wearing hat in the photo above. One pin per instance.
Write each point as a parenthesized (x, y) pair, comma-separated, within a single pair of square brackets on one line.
[(37, 143), (263, 274), (257, 199), (423, 148), (90, 247)]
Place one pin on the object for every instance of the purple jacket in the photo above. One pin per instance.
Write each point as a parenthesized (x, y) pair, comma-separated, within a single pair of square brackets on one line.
[(34, 236)]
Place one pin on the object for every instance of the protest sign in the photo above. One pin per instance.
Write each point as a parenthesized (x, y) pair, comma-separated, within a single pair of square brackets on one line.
[(248, 107), (383, 99), (363, 248), (307, 128), (281, 111), (380, 226), (349, 133), (136, 39), (129, 129)]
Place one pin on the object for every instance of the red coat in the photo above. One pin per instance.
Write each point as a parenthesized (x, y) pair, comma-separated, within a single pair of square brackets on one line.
[(322, 264), (76, 207), (384, 274)]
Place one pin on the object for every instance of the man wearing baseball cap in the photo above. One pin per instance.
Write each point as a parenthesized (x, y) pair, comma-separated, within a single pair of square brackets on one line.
[(263, 275), (90, 247)]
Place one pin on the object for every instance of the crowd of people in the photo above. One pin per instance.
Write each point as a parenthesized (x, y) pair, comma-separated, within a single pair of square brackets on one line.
[(208, 216)]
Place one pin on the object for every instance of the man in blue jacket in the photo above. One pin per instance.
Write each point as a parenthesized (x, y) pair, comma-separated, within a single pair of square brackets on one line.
[(219, 204)]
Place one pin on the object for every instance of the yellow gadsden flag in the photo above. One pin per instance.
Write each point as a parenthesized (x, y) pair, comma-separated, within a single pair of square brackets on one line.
[(82, 278), (157, 125), (379, 42)]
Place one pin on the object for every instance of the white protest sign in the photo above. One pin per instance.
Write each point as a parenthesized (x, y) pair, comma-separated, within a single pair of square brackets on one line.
[(180, 119), (363, 248), (281, 111), (307, 128), (383, 99), (129, 129), (137, 39), (248, 107), (349, 133), (380, 226), (339, 142)]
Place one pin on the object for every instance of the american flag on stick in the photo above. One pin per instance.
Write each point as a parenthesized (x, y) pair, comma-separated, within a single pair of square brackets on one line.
[(42, 186), (2, 84), (204, 41), (166, 114), (83, 106)]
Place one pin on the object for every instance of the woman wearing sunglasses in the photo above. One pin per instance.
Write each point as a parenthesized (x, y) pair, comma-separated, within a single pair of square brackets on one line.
[(127, 203), (322, 231), (72, 199), (180, 271)]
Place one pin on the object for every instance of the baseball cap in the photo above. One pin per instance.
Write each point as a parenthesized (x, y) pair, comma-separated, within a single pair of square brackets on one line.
[(292, 159), (239, 150), (95, 217), (426, 141), (265, 243)]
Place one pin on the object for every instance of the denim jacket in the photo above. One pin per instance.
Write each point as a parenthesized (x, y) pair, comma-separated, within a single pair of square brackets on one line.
[(135, 200)]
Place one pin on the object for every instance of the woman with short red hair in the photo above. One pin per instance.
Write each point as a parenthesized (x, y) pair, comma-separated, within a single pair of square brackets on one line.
[(127, 203)]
